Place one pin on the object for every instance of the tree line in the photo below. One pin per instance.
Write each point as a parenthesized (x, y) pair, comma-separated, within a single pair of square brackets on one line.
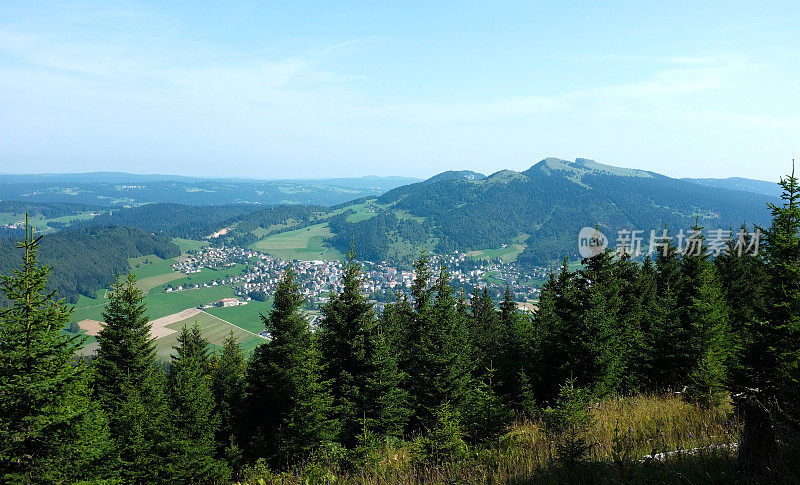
[(439, 367)]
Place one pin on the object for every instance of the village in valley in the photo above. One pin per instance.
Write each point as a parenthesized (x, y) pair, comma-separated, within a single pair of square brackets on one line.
[(382, 281)]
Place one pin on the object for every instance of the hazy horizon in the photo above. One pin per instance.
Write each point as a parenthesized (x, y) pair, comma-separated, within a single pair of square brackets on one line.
[(256, 179), (316, 90)]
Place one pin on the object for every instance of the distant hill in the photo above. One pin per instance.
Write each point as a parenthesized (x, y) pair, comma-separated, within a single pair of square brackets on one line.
[(544, 206), (112, 189), (743, 184)]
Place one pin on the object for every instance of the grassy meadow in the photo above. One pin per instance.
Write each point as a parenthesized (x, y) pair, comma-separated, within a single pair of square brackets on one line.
[(189, 244), (152, 271), (302, 244), (507, 254), (638, 439)]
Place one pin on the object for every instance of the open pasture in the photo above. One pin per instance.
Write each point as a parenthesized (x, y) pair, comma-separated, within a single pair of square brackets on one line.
[(303, 244), (189, 244), (150, 265)]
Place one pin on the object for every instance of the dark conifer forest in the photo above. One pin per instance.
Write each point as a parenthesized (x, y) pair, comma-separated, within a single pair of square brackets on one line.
[(622, 359), (88, 258)]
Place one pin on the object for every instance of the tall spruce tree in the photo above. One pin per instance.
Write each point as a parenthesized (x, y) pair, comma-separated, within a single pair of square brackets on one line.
[(782, 254), (192, 412), (349, 344), (51, 431), (743, 277), (288, 403), (643, 373), (515, 355), (130, 385), (485, 330), (228, 387), (704, 313), (769, 381)]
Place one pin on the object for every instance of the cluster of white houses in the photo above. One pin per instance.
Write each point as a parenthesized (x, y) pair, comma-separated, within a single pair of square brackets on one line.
[(317, 279)]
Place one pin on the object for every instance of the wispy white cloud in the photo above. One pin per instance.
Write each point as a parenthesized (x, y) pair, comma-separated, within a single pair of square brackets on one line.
[(126, 91)]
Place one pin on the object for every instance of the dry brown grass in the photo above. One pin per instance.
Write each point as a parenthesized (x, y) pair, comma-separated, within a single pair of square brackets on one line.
[(629, 426)]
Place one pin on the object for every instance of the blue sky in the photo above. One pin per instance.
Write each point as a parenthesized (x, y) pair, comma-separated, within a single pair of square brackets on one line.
[(323, 89)]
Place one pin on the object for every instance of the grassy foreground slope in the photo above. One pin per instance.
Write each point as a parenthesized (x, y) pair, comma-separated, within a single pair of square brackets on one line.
[(639, 439)]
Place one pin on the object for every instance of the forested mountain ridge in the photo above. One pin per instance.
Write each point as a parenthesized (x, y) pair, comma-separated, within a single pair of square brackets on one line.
[(547, 204)]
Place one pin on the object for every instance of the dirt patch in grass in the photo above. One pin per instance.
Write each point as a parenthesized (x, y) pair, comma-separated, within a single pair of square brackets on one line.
[(91, 327), (158, 329)]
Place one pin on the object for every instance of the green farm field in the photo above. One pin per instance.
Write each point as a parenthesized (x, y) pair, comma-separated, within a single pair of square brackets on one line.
[(214, 330), (244, 316), (189, 244), (507, 254), (152, 271), (158, 304), (151, 265), (304, 244)]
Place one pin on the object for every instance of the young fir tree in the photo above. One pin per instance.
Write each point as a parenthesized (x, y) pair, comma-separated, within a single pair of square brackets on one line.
[(349, 344), (483, 413), (388, 401), (130, 385), (228, 387), (192, 412), (705, 313), (770, 377), (288, 404), (50, 429)]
